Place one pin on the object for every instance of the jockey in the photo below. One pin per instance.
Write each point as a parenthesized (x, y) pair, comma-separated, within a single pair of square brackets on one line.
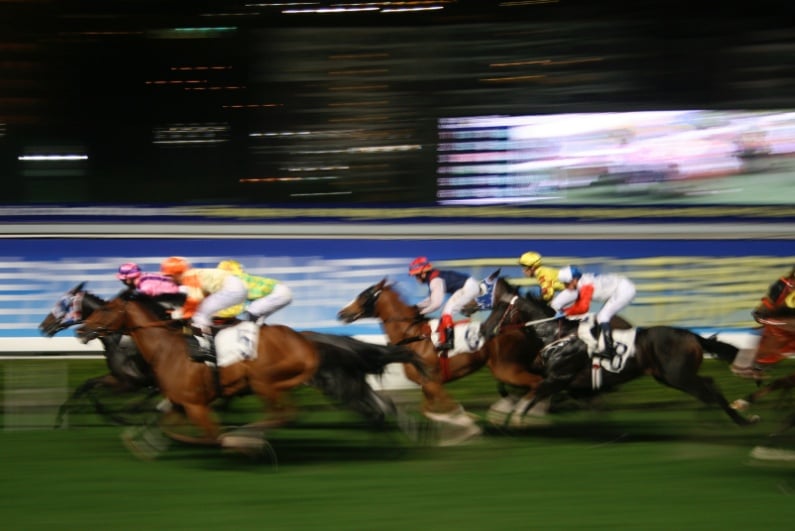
[(151, 284), (266, 295), (776, 314), (208, 291), (780, 298), (546, 276), (616, 291), (463, 289)]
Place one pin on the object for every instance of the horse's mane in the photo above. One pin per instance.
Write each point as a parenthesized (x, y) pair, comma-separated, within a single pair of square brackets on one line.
[(532, 305), (93, 301), (152, 304)]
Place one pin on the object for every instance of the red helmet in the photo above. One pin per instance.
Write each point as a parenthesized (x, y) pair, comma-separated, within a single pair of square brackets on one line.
[(128, 271), (419, 265), (174, 265)]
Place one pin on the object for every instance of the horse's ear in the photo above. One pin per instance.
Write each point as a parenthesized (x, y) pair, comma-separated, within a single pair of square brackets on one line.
[(381, 284), (494, 275), (77, 288)]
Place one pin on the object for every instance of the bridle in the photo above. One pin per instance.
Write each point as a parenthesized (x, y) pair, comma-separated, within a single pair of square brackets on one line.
[(102, 330), (510, 310), (371, 296)]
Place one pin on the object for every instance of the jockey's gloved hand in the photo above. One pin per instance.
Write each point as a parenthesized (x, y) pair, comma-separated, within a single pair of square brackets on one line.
[(559, 314)]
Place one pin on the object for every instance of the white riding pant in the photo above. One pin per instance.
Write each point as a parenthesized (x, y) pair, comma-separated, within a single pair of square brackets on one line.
[(277, 299), (620, 299), (459, 298), (232, 293)]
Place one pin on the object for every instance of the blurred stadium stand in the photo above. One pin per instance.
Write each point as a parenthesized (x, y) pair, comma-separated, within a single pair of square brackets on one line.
[(257, 102)]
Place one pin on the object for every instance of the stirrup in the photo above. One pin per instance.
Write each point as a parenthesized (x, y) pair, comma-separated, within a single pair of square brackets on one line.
[(605, 354), (444, 347)]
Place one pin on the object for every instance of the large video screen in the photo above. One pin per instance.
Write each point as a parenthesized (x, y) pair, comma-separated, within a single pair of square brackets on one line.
[(688, 156)]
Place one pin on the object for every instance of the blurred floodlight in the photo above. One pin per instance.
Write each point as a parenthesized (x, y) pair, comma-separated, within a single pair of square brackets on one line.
[(51, 157)]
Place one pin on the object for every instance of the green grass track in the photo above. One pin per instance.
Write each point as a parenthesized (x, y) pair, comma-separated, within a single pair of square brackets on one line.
[(644, 457)]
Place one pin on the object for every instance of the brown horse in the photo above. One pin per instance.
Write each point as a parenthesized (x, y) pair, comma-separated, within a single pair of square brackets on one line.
[(505, 355), (672, 356), (777, 341), (284, 360)]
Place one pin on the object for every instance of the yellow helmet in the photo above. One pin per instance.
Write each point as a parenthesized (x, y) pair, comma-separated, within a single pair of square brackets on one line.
[(230, 265), (530, 259)]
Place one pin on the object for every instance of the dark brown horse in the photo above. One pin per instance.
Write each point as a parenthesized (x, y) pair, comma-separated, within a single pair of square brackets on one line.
[(284, 360), (505, 355), (672, 356), (129, 372)]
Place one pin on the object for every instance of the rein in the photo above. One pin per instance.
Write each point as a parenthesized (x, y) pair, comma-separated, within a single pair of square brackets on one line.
[(125, 330)]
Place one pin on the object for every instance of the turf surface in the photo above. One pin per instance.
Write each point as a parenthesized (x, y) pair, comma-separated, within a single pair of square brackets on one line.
[(643, 457)]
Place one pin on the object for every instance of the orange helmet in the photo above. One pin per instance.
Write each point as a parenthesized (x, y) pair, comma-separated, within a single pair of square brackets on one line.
[(174, 265), (419, 265)]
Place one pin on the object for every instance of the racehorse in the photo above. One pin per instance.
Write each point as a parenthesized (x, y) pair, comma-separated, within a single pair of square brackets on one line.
[(778, 339), (283, 360), (403, 325), (672, 356), (128, 370)]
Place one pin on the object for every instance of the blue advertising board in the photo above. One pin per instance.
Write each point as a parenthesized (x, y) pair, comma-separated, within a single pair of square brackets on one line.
[(700, 284)]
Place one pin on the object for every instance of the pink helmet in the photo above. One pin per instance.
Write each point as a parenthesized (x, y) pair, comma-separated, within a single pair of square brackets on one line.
[(128, 271), (419, 265)]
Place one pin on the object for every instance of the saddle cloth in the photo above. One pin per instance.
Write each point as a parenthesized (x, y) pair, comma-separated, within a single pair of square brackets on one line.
[(623, 341), (237, 343), (467, 336)]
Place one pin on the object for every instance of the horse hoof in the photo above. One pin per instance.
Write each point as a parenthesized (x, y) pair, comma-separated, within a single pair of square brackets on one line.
[(740, 405), (144, 444), (500, 411), (457, 418), (460, 436), (497, 418), (765, 453), (749, 373), (527, 421)]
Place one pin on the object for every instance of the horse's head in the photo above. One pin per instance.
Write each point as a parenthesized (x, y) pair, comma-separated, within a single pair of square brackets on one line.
[(108, 319), (363, 305), (66, 312), (510, 309), (773, 304)]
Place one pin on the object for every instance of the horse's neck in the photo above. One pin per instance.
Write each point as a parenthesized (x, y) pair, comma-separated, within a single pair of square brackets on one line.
[(154, 340), (552, 330), (397, 319), (90, 303)]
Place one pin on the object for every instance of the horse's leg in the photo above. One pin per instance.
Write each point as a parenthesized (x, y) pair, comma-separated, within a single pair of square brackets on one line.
[(86, 388), (705, 389), (544, 391), (200, 415), (787, 382)]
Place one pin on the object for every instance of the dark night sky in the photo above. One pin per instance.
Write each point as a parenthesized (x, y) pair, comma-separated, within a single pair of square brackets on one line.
[(112, 78)]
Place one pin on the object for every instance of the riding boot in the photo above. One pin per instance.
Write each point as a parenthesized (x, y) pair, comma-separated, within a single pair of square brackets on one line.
[(246, 316), (607, 334), (205, 352), (209, 354), (446, 332)]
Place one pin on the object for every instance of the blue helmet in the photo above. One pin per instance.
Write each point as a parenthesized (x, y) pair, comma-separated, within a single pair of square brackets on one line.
[(569, 273)]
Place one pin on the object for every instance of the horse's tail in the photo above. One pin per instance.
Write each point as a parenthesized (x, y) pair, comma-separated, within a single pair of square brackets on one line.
[(724, 351), (345, 362)]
